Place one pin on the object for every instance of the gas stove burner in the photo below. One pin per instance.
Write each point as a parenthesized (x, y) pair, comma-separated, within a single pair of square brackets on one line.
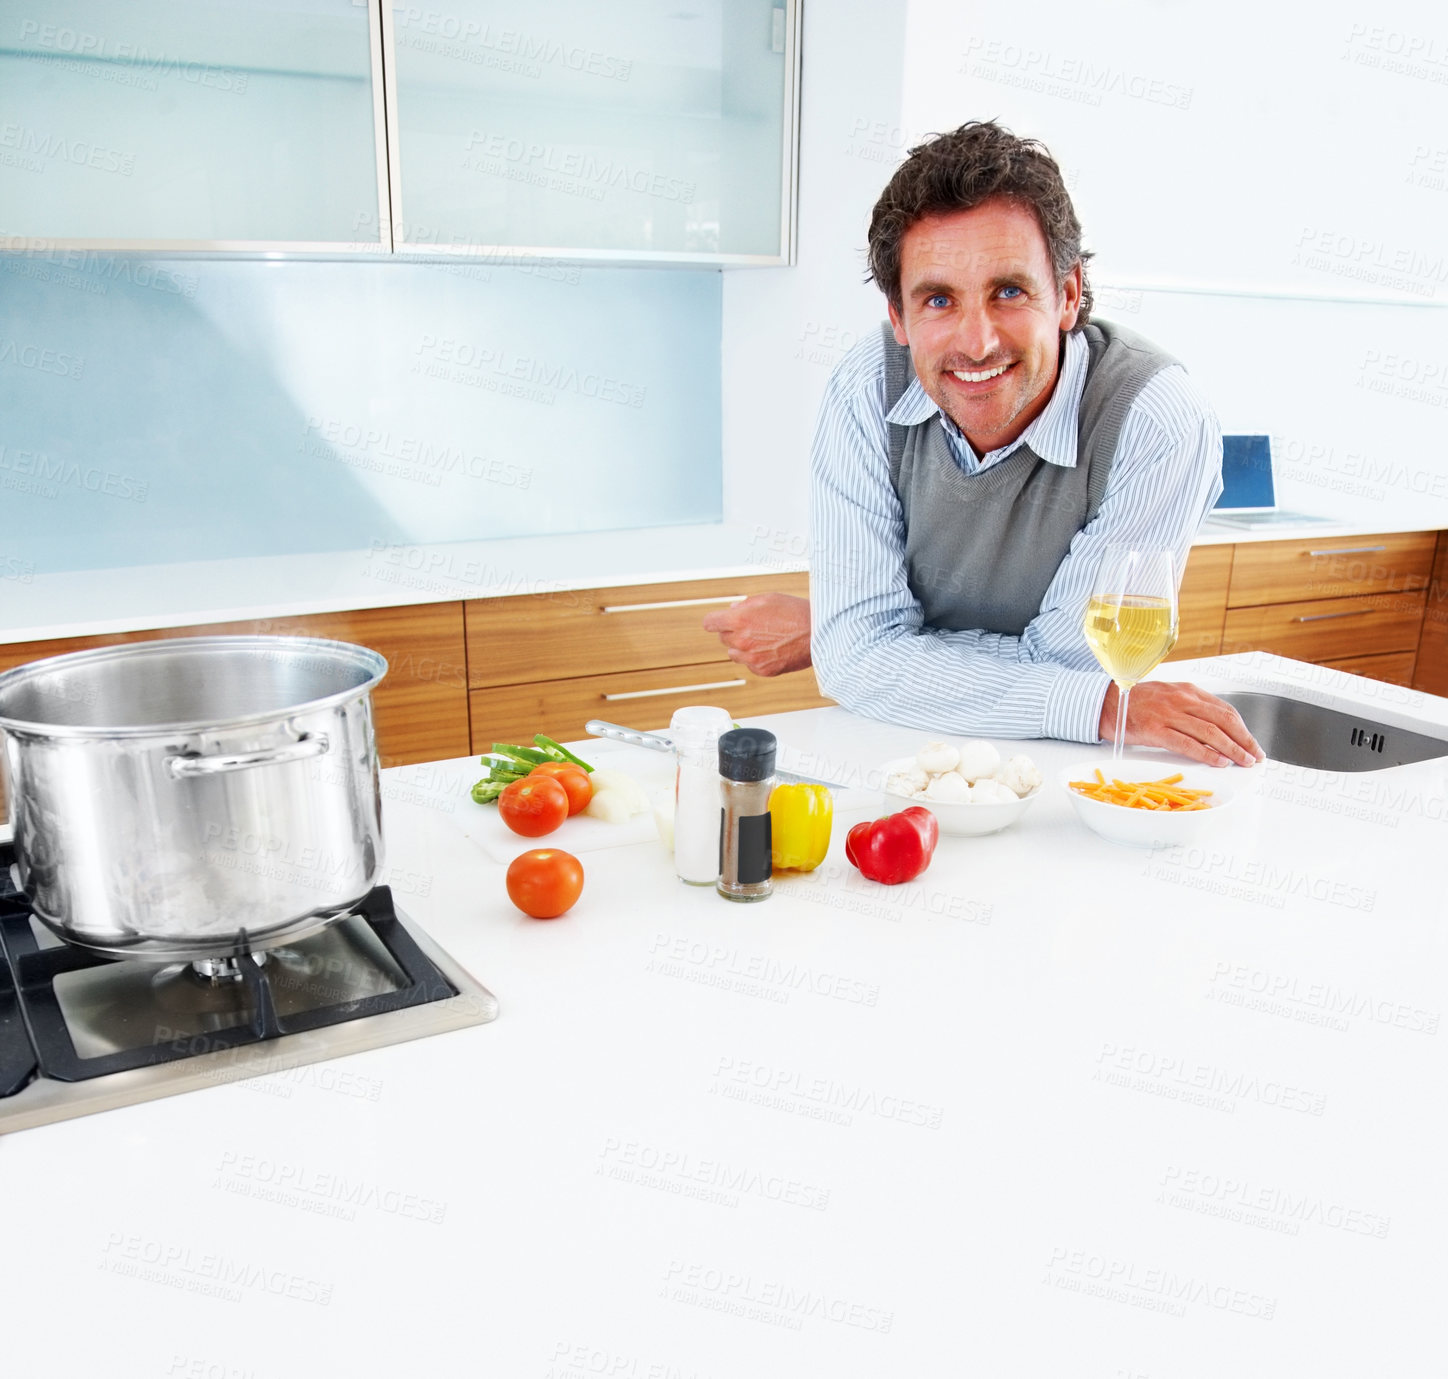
[(80, 1032), (218, 971)]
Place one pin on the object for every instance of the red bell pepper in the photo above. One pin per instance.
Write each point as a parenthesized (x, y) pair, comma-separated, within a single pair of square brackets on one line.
[(896, 848)]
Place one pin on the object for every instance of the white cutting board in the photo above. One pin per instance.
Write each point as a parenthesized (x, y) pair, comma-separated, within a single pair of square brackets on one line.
[(482, 826)]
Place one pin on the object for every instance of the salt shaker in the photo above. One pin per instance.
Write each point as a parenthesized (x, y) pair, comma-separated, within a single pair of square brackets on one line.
[(696, 792), (746, 777)]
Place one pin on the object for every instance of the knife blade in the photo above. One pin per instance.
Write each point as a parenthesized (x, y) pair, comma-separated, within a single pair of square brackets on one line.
[(662, 742)]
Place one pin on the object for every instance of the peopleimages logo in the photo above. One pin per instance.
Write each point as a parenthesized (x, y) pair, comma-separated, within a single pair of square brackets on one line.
[(1239, 1199), (773, 1301), (679, 955), (1280, 991), (76, 50), (81, 153), (1186, 1080), (410, 456), (41, 357), (703, 1178), (33, 471), (508, 49), (820, 1098), (1152, 1287), (539, 379), (575, 170), (192, 1271)]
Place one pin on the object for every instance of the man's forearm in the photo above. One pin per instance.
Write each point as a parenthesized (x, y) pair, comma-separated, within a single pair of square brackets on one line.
[(921, 680)]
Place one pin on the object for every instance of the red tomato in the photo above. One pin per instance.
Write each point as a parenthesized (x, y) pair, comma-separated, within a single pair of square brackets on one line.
[(533, 806), (545, 882), (574, 779)]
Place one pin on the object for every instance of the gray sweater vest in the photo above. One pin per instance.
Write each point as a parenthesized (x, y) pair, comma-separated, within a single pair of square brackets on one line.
[(981, 549)]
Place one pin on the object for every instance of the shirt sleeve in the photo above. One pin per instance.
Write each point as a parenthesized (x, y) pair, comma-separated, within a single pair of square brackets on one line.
[(871, 649)]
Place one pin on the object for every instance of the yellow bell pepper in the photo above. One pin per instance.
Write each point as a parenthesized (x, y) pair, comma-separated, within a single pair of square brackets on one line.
[(800, 818)]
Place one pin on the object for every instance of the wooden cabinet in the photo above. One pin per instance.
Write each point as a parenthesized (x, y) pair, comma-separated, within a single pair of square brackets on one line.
[(1203, 602), (1396, 669), (631, 655), (462, 676), (1341, 567), (1328, 630), (1431, 671), (1354, 603), (529, 637), (636, 698), (420, 708)]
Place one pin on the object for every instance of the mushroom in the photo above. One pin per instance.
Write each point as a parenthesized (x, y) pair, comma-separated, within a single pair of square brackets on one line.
[(989, 791), (978, 758), (1020, 775), (936, 757), (948, 788)]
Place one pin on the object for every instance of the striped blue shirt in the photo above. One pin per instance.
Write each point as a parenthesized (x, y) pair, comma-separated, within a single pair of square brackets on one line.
[(870, 647)]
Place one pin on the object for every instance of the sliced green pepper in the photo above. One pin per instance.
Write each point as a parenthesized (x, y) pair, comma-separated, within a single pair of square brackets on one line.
[(547, 744)]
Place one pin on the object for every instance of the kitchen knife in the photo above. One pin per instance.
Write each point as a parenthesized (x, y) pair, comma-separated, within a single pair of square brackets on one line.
[(662, 742)]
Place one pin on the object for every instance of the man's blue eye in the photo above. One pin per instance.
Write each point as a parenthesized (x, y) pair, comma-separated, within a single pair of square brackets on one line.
[(1009, 293), (936, 299)]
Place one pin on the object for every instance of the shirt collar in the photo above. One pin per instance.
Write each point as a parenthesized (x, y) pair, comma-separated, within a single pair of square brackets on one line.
[(1052, 435)]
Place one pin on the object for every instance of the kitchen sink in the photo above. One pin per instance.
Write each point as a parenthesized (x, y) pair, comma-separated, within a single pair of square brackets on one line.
[(1327, 740)]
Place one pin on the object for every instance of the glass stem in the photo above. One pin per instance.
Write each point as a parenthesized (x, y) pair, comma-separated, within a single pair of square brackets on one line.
[(1121, 700)]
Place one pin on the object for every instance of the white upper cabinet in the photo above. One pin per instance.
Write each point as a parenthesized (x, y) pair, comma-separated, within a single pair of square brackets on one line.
[(638, 129), (201, 124), (633, 130)]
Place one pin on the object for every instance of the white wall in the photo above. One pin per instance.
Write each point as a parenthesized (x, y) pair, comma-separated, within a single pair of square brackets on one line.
[(1236, 168), (785, 329)]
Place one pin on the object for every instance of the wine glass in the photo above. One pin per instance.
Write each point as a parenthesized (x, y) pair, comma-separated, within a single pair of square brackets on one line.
[(1131, 618)]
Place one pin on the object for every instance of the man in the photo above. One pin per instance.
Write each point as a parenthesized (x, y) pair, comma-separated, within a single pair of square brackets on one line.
[(971, 464)]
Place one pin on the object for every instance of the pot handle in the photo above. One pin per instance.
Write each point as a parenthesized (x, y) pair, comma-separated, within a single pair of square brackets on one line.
[(310, 745)]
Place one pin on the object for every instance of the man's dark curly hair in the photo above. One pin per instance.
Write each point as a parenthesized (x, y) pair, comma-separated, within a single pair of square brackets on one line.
[(959, 171)]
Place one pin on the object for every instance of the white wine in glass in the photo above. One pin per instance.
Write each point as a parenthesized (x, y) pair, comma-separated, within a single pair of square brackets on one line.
[(1131, 619)]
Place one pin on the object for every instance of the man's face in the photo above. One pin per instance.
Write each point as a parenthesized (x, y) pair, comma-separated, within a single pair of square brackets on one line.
[(979, 299)]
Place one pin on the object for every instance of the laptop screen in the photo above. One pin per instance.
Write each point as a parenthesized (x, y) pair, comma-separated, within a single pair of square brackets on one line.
[(1247, 473)]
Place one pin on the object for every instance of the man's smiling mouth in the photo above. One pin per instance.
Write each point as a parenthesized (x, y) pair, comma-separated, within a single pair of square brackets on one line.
[(978, 375)]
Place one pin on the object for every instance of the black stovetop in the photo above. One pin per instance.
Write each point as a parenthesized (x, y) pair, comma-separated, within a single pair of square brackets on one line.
[(69, 1015)]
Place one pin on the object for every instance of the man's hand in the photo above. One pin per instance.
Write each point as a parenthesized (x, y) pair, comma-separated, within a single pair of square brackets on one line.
[(1184, 720), (768, 633)]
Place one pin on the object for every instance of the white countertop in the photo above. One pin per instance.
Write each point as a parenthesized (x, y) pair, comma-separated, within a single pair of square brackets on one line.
[(1057, 1109), (37, 605), (1215, 533), (86, 602)]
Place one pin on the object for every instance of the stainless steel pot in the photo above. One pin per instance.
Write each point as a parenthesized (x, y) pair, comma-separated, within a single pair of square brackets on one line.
[(190, 798)]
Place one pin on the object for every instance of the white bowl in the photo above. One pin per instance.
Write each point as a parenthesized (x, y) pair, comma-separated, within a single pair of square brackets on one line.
[(1149, 828), (960, 820)]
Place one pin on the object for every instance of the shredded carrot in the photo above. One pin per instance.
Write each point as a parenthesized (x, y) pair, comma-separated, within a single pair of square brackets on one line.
[(1167, 793)]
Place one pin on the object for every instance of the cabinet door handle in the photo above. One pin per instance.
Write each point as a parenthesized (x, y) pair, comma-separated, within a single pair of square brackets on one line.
[(670, 603), (674, 689), (1349, 613), (1350, 550)]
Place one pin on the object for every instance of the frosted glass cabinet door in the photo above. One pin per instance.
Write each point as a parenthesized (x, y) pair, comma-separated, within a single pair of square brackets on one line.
[(166, 121), (634, 127)]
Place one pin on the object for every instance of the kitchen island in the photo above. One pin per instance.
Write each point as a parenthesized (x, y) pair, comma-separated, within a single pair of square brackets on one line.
[(1057, 1108)]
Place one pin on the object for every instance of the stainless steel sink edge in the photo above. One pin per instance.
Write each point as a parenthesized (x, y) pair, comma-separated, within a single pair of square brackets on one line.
[(1250, 673)]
